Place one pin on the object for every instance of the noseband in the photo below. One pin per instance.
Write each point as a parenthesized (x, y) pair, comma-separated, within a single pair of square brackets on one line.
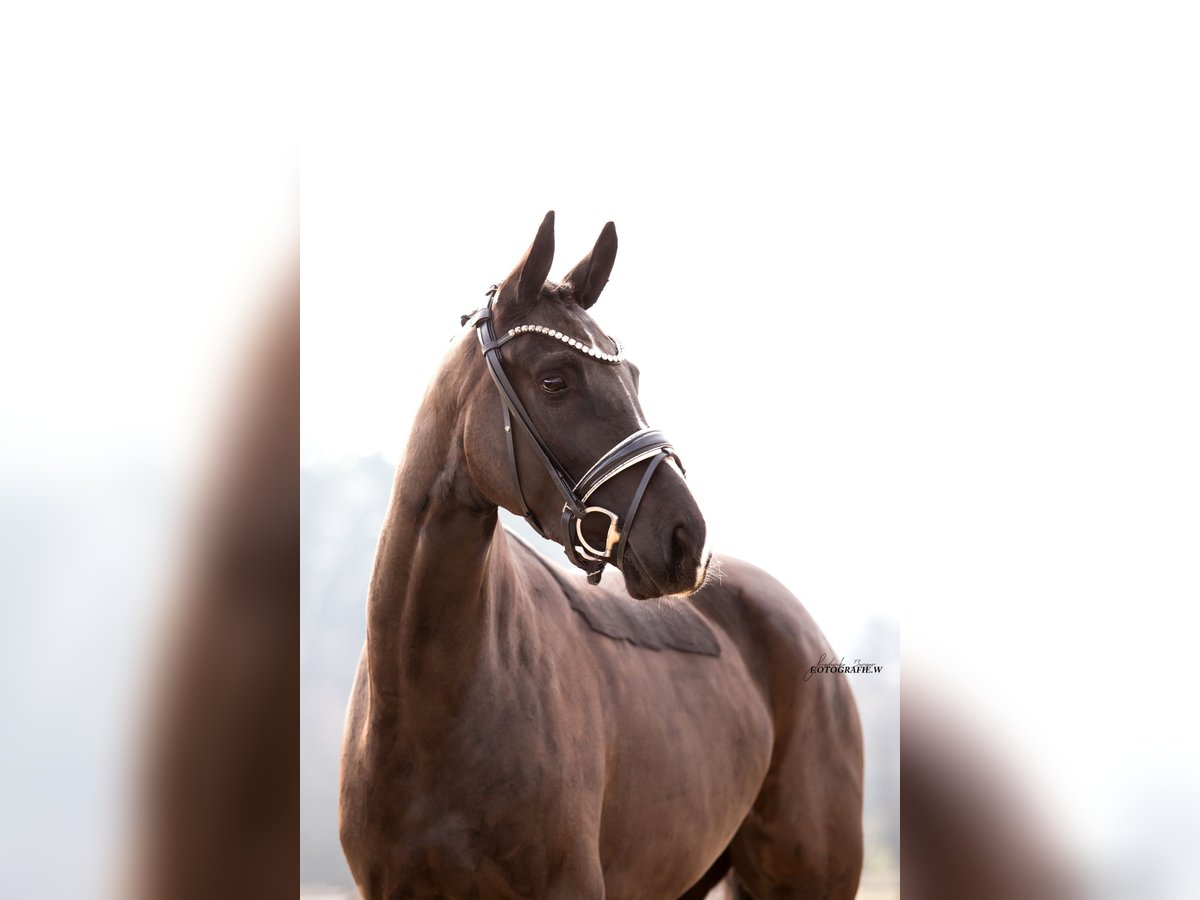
[(646, 444)]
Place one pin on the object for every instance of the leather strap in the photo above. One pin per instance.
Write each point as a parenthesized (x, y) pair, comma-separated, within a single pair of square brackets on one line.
[(513, 402), (638, 446), (633, 506), (526, 512)]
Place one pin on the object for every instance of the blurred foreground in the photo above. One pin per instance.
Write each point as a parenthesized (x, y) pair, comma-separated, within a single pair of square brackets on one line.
[(221, 768)]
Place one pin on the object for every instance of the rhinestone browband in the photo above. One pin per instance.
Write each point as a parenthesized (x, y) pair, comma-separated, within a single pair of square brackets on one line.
[(594, 352)]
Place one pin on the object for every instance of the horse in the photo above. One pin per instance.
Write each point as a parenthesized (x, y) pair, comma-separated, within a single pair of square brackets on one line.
[(514, 731)]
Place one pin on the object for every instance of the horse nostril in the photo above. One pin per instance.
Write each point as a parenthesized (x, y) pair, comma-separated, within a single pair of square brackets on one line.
[(685, 545)]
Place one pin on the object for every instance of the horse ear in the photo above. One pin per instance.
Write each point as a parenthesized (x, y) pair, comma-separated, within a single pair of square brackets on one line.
[(590, 275), (525, 283)]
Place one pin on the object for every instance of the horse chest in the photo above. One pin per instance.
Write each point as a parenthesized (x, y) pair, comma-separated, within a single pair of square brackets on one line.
[(494, 799), (446, 831), (493, 752)]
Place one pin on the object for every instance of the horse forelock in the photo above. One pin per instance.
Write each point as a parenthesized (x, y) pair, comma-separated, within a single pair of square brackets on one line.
[(562, 292)]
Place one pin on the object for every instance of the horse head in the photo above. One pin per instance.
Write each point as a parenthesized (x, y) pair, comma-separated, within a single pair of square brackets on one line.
[(566, 443)]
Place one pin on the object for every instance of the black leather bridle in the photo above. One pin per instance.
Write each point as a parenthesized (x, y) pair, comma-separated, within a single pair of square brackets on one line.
[(643, 445)]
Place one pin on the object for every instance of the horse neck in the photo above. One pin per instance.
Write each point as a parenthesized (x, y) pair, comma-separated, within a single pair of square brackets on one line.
[(441, 562)]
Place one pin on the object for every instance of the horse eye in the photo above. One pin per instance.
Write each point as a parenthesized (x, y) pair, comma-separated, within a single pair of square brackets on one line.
[(553, 385)]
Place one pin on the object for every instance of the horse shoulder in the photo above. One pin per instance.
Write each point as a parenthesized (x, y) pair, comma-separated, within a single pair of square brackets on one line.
[(779, 641)]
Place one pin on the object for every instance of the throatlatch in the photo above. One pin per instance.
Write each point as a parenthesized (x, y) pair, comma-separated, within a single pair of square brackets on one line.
[(646, 444)]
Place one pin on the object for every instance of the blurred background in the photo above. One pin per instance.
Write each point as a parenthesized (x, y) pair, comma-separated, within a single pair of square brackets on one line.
[(913, 287), (148, 228)]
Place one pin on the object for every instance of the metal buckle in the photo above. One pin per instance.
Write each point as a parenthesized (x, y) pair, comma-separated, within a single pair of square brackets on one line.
[(612, 539)]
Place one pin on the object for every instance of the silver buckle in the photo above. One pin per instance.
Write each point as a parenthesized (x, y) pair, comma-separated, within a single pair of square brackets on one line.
[(612, 539)]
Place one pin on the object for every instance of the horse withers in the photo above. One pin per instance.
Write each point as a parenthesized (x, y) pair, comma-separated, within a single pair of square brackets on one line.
[(514, 731)]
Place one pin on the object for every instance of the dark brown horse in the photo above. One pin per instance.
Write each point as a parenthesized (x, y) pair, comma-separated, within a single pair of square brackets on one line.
[(517, 732)]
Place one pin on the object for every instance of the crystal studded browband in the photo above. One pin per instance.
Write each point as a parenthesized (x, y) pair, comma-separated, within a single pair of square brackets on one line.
[(594, 352)]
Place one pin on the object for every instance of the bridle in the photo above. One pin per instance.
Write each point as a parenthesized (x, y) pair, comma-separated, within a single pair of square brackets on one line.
[(642, 445)]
